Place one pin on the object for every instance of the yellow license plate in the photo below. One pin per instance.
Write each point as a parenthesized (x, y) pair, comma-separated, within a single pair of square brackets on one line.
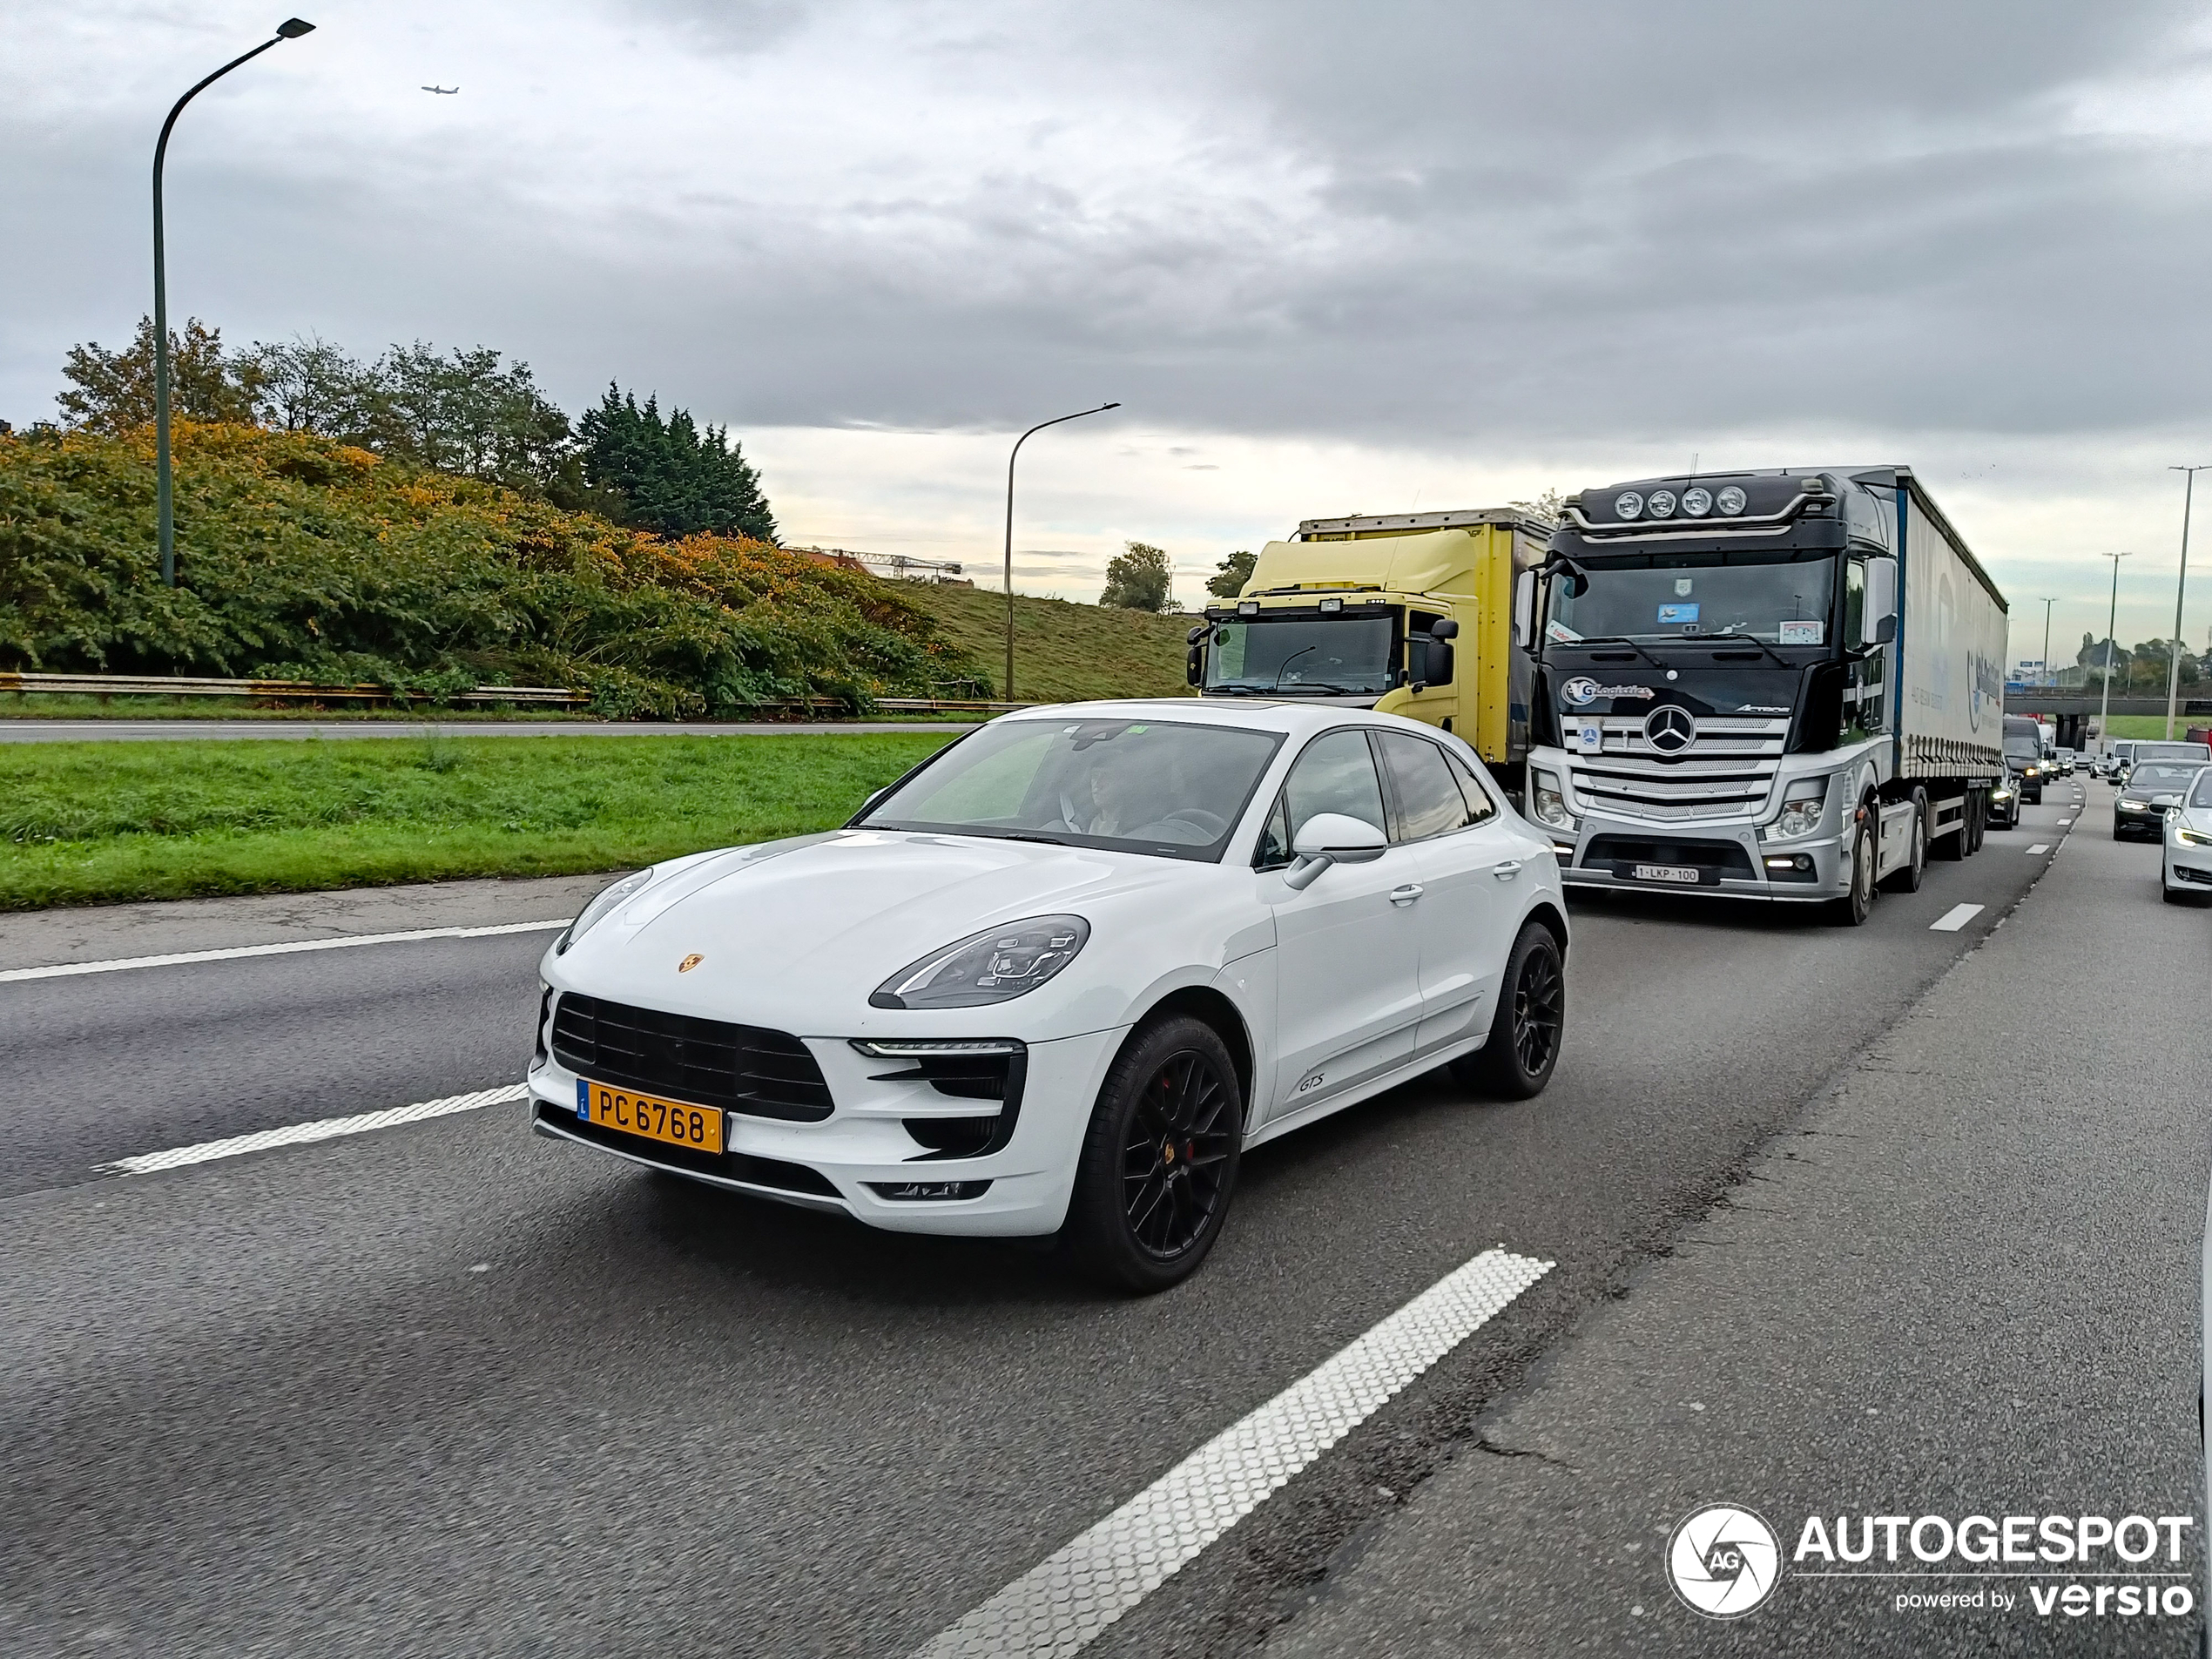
[(673, 1120)]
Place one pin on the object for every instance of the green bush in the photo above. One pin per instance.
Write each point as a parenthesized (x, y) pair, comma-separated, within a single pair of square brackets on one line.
[(302, 558)]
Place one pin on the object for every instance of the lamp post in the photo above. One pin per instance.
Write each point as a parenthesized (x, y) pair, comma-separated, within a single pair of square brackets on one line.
[(2181, 585), (1011, 460), (2104, 708), (164, 520), (2047, 604)]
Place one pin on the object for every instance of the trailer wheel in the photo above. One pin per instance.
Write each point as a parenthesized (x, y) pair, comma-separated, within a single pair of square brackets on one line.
[(1978, 817), (1907, 876), (1852, 909)]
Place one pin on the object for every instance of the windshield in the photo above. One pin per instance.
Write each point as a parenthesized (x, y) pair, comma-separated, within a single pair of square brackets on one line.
[(1150, 786), (2203, 796), (2161, 777), (2196, 751), (2023, 749), (1314, 654), (1685, 597)]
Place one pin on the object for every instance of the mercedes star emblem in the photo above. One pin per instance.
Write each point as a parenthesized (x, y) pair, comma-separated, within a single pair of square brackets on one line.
[(1669, 730)]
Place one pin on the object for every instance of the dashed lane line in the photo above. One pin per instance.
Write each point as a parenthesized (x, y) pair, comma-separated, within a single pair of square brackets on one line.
[(2041, 847), (343, 942), (1955, 918), (323, 1129), (1066, 1599)]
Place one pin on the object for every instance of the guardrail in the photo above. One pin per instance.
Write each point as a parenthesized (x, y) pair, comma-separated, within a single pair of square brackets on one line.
[(308, 690), (174, 686)]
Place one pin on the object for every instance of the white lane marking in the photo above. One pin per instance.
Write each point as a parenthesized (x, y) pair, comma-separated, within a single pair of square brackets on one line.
[(323, 1129), (2041, 847), (1068, 1598), (344, 941), (1955, 918), (2063, 822)]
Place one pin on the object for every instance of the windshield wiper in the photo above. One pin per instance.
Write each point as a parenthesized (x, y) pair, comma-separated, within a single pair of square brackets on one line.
[(1753, 640), (1616, 639), (1318, 685)]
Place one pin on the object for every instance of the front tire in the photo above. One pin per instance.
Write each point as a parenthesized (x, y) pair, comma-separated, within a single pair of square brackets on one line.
[(1159, 1161), (1525, 1032), (1852, 910)]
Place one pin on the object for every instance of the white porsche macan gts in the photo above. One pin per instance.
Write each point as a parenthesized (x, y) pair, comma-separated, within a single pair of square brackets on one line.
[(1061, 975)]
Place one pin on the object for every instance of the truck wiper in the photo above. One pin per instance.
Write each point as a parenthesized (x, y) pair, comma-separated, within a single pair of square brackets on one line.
[(1318, 685), (1617, 639), (1753, 640)]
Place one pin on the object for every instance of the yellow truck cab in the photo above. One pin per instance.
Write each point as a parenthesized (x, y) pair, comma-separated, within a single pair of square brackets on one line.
[(1409, 613)]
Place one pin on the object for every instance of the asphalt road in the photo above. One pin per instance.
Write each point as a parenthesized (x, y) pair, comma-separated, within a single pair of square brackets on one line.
[(168, 731), (443, 1388)]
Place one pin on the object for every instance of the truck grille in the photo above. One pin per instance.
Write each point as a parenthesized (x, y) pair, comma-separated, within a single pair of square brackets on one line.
[(707, 1063), (1727, 773)]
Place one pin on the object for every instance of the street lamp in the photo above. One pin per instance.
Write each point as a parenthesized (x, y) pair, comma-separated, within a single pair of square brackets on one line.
[(2048, 679), (2174, 678), (1011, 460), (164, 520), (2104, 708)]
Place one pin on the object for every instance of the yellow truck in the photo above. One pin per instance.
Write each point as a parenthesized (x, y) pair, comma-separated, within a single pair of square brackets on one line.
[(1410, 613)]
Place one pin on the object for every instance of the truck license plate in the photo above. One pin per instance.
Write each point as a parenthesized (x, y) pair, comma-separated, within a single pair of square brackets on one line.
[(1685, 873)]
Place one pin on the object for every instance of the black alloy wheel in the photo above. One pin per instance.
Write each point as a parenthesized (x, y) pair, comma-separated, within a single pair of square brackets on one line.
[(1852, 909), (1531, 1019), (1159, 1161)]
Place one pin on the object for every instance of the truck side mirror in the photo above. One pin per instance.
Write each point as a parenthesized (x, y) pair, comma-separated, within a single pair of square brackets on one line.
[(1877, 618), (1524, 608), (1194, 664), (1436, 663), (1444, 628)]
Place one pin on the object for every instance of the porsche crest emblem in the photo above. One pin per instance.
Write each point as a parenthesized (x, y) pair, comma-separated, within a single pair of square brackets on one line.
[(690, 962)]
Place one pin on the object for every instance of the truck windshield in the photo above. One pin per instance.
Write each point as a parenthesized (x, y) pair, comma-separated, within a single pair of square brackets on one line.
[(1320, 654), (1777, 604)]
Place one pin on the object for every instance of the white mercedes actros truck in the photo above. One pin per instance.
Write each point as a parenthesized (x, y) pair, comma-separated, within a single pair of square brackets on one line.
[(1783, 684)]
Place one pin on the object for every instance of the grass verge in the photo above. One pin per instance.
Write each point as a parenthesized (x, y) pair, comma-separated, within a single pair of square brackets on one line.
[(2153, 725), (1063, 653), (88, 823)]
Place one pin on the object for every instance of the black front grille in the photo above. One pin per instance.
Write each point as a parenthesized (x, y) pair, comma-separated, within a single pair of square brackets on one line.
[(1712, 859), (707, 1063)]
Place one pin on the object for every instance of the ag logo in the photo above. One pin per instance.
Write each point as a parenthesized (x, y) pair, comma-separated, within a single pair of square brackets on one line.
[(690, 962), (1723, 1561), (1581, 693)]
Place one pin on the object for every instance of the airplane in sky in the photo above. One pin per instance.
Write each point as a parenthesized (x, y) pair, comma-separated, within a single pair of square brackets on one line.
[(442, 92)]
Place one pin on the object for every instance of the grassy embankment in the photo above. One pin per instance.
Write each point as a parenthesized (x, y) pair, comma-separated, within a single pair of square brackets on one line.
[(2153, 725), (1063, 651), (83, 823)]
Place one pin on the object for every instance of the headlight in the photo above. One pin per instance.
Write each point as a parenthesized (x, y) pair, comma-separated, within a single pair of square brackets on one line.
[(1663, 503), (1548, 802), (1730, 501), (2000, 794), (1802, 807), (1697, 502), (2192, 837), (1627, 504), (994, 966), (2028, 772), (2127, 805), (608, 900)]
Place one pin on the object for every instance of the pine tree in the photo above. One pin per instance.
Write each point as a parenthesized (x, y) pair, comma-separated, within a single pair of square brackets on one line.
[(668, 474)]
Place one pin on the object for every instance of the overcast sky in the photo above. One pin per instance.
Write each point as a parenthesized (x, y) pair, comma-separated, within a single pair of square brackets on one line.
[(1331, 258)]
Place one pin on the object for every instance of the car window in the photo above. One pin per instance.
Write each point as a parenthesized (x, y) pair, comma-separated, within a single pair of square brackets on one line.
[(2160, 775), (1482, 804), (1274, 849), (1429, 802), (1335, 774)]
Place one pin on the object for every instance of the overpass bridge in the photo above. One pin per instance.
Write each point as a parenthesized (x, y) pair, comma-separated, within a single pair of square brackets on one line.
[(2075, 710)]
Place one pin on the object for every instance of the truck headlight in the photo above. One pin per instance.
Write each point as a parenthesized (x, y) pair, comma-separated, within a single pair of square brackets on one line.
[(1802, 804), (1548, 802)]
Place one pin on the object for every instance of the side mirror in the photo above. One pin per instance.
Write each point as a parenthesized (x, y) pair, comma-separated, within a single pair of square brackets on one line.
[(1444, 628), (1436, 663), (1524, 608), (1878, 620), (1333, 838), (1194, 664)]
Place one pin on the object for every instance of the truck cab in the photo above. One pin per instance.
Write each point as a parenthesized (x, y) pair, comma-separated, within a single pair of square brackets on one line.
[(1409, 613)]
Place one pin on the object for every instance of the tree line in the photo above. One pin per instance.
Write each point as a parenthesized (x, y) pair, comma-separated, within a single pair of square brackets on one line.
[(468, 412)]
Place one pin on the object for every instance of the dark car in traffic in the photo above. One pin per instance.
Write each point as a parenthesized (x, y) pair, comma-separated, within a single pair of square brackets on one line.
[(2152, 787), (2024, 757)]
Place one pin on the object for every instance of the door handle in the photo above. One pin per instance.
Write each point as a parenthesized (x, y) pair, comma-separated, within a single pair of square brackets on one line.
[(1403, 896), (1506, 871)]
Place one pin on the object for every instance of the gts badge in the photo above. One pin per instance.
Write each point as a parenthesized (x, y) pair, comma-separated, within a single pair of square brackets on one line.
[(1312, 1080)]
